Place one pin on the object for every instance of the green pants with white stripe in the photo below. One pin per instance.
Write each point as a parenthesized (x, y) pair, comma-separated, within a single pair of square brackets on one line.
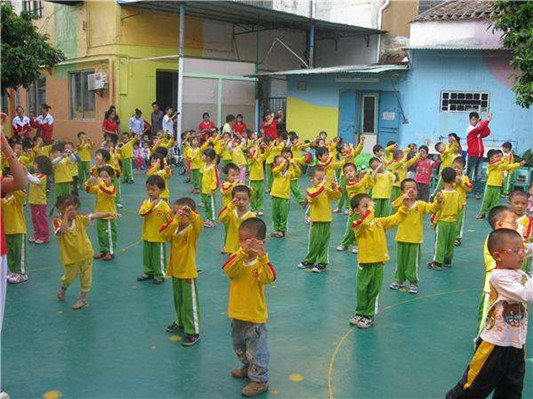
[(256, 203), (381, 207), (209, 206), (154, 258), (318, 250), (445, 242), (407, 262), (116, 183), (296, 192), (269, 177), (196, 179), (369, 280), (63, 188), (507, 183), (459, 225), (17, 253), (344, 202), (84, 171), (186, 304), (280, 213), (349, 234), (106, 231), (127, 168), (491, 198)]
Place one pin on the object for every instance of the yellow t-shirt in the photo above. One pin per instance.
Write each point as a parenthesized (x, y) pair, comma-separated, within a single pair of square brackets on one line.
[(182, 257), (13, 213), (230, 217), (226, 189), (84, 151), (127, 149), (195, 157), (63, 171), (247, 301), (26, 160), (411, 229), (330, 166), (524, 225), (451, 206), (273, 150), (495, 172), (165, 174), (449, 155), (154, 216), (399, 168), (359, 186), (237, 156), (74, 244), (320, 199), (281, 183), (37, 192), (463, 187), (105, 197), (210, 179), (383, 185), (256, 158)]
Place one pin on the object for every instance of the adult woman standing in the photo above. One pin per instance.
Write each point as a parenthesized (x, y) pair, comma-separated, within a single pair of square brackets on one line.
[(21, 124), (110, 126), (270, 125), (44, 124)]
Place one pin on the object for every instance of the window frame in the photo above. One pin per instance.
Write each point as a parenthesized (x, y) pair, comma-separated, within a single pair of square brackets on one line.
[(34, 7), (71, 75), (32, 96), (479, 108)]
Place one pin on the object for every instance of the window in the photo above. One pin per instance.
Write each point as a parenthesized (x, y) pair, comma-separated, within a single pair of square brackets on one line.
[(424, 5), (81, 99), (33, 6), (459, 101), (369, 114), (36, 95)]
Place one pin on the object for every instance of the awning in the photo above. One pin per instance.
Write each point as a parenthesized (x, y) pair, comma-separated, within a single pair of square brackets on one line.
[(456, 47), (346, 69)]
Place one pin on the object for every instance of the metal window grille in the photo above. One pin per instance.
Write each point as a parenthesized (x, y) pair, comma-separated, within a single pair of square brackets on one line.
[(460, 101)]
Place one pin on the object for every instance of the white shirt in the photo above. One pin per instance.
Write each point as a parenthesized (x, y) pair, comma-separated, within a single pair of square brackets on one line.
[(136, 125), (44, 120), (21, 122), (227, 129), (168, 124), (511, 292)]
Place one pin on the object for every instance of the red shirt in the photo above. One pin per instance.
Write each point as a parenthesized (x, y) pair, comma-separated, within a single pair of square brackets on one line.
[(206, 125), (474, 139), (110, 126), (239, 127), (424, 170), (271, 130)]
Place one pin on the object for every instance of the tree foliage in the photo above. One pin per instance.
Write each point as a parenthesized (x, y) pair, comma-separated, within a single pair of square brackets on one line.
[(515, 20), (24, 50)]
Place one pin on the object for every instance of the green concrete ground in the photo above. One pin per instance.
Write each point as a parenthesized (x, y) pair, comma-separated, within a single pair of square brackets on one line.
[(117, 347)]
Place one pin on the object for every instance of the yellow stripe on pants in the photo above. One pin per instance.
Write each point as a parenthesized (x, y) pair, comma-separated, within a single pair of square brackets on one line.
[(478, 361)]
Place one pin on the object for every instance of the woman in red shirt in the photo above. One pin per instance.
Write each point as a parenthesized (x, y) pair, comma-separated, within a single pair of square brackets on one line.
[(206, 126), (270, 125), (110, 127), (240, 126)]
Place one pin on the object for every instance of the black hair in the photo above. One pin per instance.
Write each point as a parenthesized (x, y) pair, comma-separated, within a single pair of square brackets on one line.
[(255, 226), (239, 115), (44, 164), (230, 166), (205, 114), (390, 142), (507, 144), (155, 156), (377, 148), (66, 200), (210, 153), (356, 200), (155, 103), (396, 153), (437, 145), (492, 152), (59, 147), (27, 143), (186, 201), (284, 135), (472, 114), (108, 169), (286, 150), (455, 136), (161, 151), (167, 108), (423, 147), (517, 193), (157, 181), (448, 175), (105, 154), (461, 160), (230, 118), (125, 134), (321, 151), (498, 239), (373, 159), (241, 188), (138, 111), (323, 132), (315, 169), (405, 181), (80, 133), (496, 213), (349, 164)]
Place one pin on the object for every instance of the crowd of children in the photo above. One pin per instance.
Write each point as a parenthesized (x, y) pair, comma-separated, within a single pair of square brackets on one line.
[(391, 190)]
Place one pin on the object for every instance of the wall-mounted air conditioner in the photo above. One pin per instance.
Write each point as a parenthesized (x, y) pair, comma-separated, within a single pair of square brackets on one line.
[(97, 81)]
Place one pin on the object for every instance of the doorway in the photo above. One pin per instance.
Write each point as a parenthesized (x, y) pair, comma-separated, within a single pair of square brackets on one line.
[(166, 92)]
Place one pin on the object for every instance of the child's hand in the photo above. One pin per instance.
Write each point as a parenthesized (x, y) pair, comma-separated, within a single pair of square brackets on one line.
[(371, 204), (93, 180), (259, 247), (363, 138), (247, 246), (179, 213), (522, 163), (452, 138), (489, 117), (116, 215), (154, 202), (458, 179), (186, 211)]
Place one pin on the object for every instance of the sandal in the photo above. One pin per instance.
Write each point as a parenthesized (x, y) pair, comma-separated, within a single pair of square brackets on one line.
[(61, 294), (80, 304)]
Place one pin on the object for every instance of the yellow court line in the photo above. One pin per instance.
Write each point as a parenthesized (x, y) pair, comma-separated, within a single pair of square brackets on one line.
[(350, 330)]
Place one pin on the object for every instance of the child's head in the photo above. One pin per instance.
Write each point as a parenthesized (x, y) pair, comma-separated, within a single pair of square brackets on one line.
[(507, 147), (205, 117), (57, 149), (323, 135), (209, 155), (440, 147), (161, 151), (125, 137), (169, 111), (182, 204), (195, 142), (494, 155), (374, 163), (350, 171), (156, 159), (42, 164), (251, 135), (82, 136), (424, 151), (412, 147), (102, 156), (138, 113), (448, 175), (106, 173), (239, 118), (459, 165), (377, 150), (230, 119), (506, 246), (286, 152), (146, 144), (154, 186), (410, 188), (337, 140), (322, 154), (453, 137), (397, 155), (360, 203), (278, 160), (226, 136), (518, 202), (69, 147), (474, 118), (253, 228), (27, 146), (231, 171), (501, 217), (241, 196), (68, 204), (317, 175)]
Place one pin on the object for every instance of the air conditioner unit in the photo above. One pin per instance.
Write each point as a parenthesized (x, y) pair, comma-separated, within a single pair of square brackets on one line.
[(96, 81)]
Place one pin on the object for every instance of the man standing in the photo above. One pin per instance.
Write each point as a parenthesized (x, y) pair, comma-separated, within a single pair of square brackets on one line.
[(156, 118), (476, 131)]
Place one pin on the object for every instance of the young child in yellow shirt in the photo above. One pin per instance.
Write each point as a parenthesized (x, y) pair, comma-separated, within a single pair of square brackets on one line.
[(210, 182), (399, 166), (447, 152), (410, 235), (194, 155), (373, 253), (236, 149), (37, 198), (249, 270), (329, 164), (158, 167), (183, 230), (231, 173), (274, 147), (524, 223), (106, 229), (155, 212), (381, 187), (15, 230), (280, 194), (62, 160), (256, 160), (319, 198), (463, 186), (73, 166), (233, 214), (125, 150), (84, 148), (296, 171), (75, 248)]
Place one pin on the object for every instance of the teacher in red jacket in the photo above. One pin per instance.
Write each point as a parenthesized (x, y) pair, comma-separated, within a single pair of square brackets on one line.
[(476, 131)]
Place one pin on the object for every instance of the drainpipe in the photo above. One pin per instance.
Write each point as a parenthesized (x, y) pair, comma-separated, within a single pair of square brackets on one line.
[(380, 21), (312, 35), (180, 71)]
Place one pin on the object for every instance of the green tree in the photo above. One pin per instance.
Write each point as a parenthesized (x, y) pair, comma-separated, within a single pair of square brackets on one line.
[(515, 20), (24, 50)]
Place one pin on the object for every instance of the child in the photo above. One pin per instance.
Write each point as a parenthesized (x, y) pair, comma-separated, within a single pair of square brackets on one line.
[(102, 158), (382, 188), (498, 365), (349, 154), (373, 253), (239, 126), (274, 148), (126, 154), (389, 151), (377, 150), (524, 224), (116, 163), (62, 159), (75, 248), (236, 149), (399, 166), (233, 214), (328, 163), (138, 157), (446, 220), (158, 167), (319, 197), (256, 159), (296, 171), (194, 155), (84, 148), (73, 166), (210, 181), (280, 194), (183, 231), (508, 158), (447, 155), (106, 228), (249, 271), (155, 212), (410, 236), (231, 171), (42, 169), (15, 230), (424, 171), (145, 153), (463, 186), (493, 188)]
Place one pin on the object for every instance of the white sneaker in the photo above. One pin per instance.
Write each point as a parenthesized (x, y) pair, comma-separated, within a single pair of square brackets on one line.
[(366, 322), (341, 248), (354, 321), (355, 250), (413, 288), (394, 285), (260, 213), (346, 212), (119, 205)]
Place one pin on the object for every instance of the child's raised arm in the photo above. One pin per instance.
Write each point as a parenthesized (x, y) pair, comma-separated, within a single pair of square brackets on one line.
[(233, 266), (507, 287)]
